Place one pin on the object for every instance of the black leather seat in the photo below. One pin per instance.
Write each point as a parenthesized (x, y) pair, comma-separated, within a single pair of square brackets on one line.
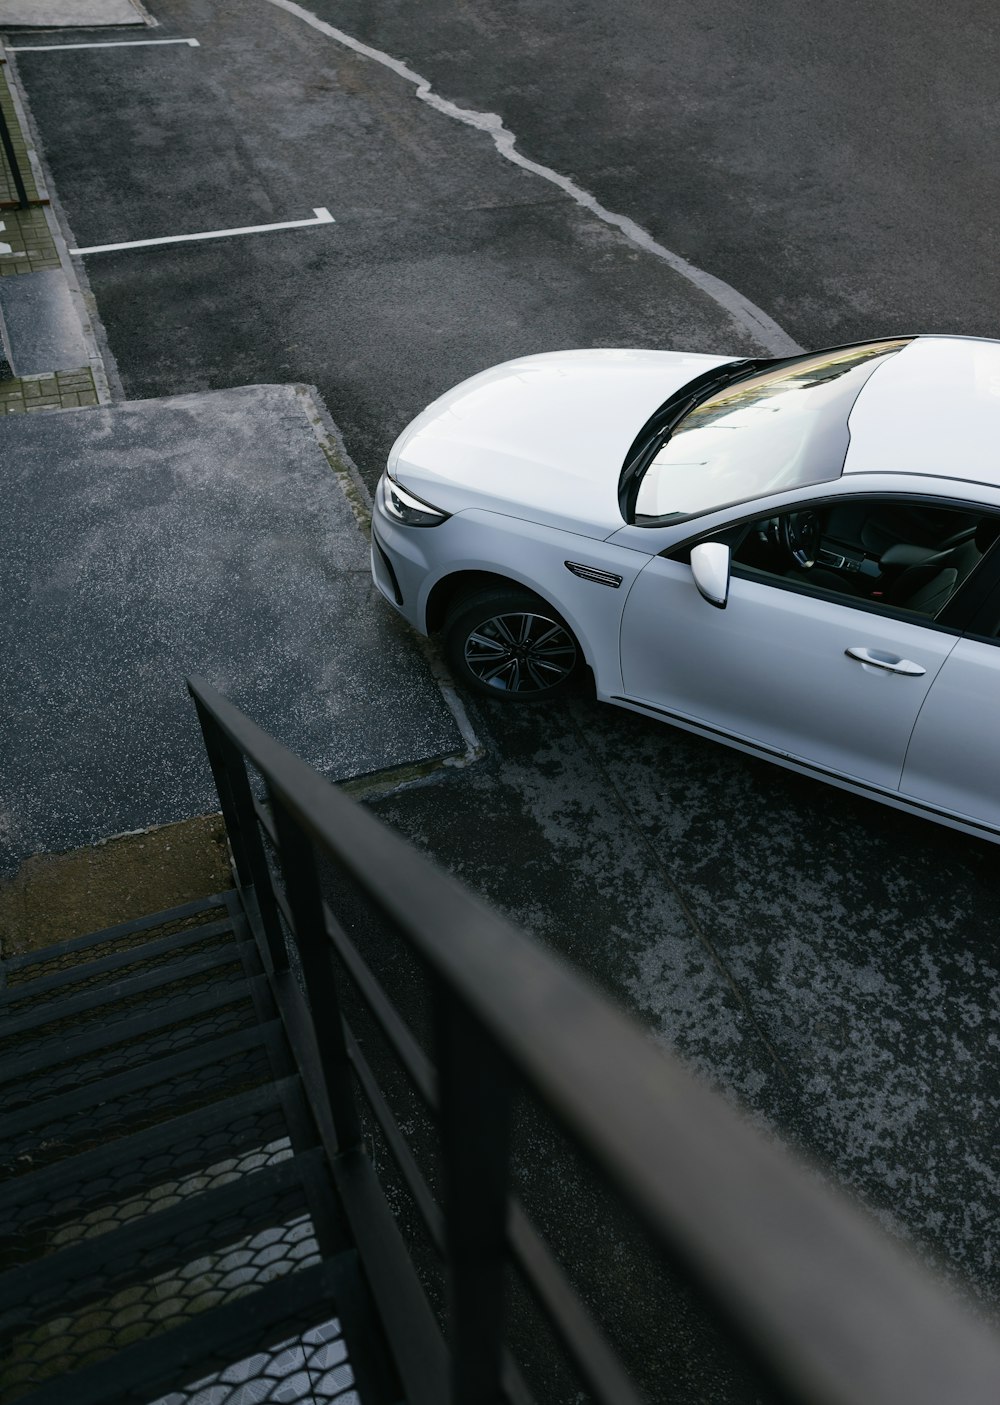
[(924, 587), (927, 588)]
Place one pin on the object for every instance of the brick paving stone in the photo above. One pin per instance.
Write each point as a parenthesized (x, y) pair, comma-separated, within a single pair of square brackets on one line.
[(26, 233), (63, 391)]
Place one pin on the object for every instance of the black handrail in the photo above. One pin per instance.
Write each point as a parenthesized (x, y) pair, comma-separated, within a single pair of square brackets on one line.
[(815, 1289)]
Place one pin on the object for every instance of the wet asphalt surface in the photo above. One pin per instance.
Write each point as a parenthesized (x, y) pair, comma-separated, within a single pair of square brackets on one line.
[(833, 967), (830, 963)]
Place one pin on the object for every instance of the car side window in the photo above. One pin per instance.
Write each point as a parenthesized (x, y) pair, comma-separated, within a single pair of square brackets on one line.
[(985, 623), (902, 554)]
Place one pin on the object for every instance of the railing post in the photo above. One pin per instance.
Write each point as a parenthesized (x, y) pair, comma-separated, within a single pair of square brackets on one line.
[(475, 1106), (305, 899), (236, 802), (11, 155)]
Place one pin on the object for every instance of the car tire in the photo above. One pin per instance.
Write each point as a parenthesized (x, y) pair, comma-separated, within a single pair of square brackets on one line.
[(510, 644)]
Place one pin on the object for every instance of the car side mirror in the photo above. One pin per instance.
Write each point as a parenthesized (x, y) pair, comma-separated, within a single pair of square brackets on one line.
[(710, 563)]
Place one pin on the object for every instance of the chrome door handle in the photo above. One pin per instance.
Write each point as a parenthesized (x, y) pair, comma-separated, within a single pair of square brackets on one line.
[(879, 659)]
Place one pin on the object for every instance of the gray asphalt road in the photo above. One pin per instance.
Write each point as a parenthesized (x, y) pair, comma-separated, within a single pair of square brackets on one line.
[(835, 163), (830, 962)]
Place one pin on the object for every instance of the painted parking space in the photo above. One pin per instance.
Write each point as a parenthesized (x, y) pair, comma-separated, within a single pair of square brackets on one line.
[(123, 119)]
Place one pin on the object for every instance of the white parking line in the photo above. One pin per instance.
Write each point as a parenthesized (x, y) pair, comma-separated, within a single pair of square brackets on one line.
[(109, 44), (322, 217)]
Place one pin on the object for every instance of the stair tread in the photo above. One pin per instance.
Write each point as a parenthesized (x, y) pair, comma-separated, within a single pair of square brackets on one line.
[(255, 1325), (51, 987), (164, 974), (52, 1053), (35, 1193), (16, 964), (137, 1251)]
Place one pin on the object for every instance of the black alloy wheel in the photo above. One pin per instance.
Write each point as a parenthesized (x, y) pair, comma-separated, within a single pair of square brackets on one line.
[(512, 645)]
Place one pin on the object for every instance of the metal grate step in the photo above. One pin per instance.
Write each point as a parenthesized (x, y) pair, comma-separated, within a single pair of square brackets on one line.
[(170, 1230), (80, 1196), (206, 1059), (281, 1343), (90, 1021), (30, 996), (18, 970), (84, 1302), (109, 1001)]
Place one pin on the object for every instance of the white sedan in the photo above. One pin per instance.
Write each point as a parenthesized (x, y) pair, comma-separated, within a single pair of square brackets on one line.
[(795, 557)]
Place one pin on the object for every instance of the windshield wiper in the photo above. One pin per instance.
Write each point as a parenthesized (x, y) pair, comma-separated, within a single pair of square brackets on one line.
[(658, 429), (654, 442)]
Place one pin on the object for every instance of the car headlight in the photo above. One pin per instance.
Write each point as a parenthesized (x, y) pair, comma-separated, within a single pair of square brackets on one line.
[(403, 507)]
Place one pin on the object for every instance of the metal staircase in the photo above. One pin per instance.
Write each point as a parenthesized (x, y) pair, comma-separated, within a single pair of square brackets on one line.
[(270, 1147), (167, 1208)]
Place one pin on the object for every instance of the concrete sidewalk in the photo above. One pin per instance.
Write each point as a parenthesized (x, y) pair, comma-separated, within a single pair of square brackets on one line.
[(202, 534)]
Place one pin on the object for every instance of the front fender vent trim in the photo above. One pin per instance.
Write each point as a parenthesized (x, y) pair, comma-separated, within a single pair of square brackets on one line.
[(593, 573)]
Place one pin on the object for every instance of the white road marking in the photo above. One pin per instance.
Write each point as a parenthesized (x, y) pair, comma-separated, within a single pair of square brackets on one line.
[(108, 44), (322, 217), (754, 319), (5, 248)]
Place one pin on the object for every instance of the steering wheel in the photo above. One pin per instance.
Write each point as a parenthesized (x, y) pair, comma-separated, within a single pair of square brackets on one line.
[(798, 533)]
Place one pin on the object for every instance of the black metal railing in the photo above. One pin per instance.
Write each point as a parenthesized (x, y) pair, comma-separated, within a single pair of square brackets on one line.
[(824, 1303)]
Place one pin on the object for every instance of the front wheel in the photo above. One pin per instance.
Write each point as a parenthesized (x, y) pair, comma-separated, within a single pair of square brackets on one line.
[(510, 644)]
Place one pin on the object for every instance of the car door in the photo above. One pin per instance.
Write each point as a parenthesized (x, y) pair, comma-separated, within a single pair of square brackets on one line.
[(827, 681), (953, 760)]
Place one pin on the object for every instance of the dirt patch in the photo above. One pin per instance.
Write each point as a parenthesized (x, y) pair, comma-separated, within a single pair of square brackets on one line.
[(58, 896)]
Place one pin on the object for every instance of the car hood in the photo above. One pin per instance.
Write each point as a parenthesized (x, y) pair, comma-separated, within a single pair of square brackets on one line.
[(543, 437)]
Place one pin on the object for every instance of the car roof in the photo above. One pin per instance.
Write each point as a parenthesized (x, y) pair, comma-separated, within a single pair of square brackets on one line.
[(934, 409)]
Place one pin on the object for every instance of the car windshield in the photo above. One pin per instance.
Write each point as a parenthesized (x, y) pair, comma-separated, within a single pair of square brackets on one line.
[(780, 428)]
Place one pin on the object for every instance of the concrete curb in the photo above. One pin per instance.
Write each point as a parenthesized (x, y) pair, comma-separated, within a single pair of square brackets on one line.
[(331, 441)]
